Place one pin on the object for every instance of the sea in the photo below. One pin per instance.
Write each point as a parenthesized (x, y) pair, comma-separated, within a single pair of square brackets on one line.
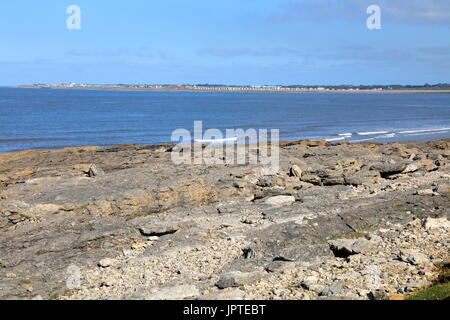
[(54, 119)]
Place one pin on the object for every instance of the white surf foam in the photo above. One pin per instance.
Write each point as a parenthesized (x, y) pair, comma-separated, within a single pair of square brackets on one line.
[(371, 133), (216, 140), (363, 140), (346, 135), (389, 135), (427, 133), (335, 139), (423, 130)]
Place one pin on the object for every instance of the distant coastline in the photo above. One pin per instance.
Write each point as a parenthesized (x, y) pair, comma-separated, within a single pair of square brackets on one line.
[(439, 88), (43, 118)]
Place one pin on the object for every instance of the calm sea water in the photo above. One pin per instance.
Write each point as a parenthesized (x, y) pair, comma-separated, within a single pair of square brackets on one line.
[(41, 118)]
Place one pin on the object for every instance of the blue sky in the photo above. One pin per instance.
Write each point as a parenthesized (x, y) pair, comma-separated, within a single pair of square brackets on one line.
[(228, 42)]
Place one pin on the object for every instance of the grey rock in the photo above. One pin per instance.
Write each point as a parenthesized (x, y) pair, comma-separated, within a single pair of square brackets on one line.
[(417, 284), (335, 289), (332, 181), (229, 294), (237, 278), (248, 253), (105, 263), (413, 257), (95, 171), (376, 239), (227, 209), (311, 283), (53, 217), (304, 253), (313, 179), (425, 192), (158, 229), (377, 295), (439, 223), (316, 288), (283, 267), (181, 292), (443, 188), (412, 167), (351, 246), (361, 178), (279, 201), (267, 182), (387, 168), (295, 171)]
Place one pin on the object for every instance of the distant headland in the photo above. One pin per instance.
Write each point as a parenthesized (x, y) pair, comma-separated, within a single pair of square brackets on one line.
[(426, 88)]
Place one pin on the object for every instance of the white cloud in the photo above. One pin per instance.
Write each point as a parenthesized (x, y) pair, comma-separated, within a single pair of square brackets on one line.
[(141, 52), (240, 52)]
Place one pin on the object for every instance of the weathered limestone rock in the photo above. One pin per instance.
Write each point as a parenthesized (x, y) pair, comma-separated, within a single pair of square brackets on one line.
[(237, 279), (412, 167), (105, 263), (441, 223), (267, 182), (428, 165), (413, 257), (351, 246), (443, 188), (284, 267), (387, 169), (295, 171), (95, 171), (335, 289), (176, 293), (158, 229), (229, 294), (311, 283), (279, 201), (185, 228), (332, 181), (310, 178)]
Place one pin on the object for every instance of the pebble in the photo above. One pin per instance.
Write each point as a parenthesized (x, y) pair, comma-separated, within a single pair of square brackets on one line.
[(105, 263)]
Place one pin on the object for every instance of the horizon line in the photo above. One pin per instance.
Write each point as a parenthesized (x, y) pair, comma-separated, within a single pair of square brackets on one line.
[(230, 85)]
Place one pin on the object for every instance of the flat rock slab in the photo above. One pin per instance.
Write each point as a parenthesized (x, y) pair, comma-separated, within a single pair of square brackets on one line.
[(279, 201), (214, 220), (158, 229), (351, 246), (237, 279), (176, 293), (229, 294), (431, 224)]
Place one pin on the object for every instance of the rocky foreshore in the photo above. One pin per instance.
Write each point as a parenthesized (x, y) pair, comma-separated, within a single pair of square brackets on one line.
[(338, 221)]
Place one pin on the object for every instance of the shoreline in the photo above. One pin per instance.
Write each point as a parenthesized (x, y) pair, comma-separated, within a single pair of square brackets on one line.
[(151, 146)]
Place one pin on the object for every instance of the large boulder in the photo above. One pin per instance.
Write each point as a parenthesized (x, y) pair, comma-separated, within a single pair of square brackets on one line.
[(387, 169)]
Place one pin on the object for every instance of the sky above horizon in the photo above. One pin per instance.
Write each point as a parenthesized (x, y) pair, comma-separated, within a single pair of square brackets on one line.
[(234, 42)]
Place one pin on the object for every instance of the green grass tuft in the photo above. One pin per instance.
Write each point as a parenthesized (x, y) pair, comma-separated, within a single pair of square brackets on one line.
[(437, 292), (441, 289)]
